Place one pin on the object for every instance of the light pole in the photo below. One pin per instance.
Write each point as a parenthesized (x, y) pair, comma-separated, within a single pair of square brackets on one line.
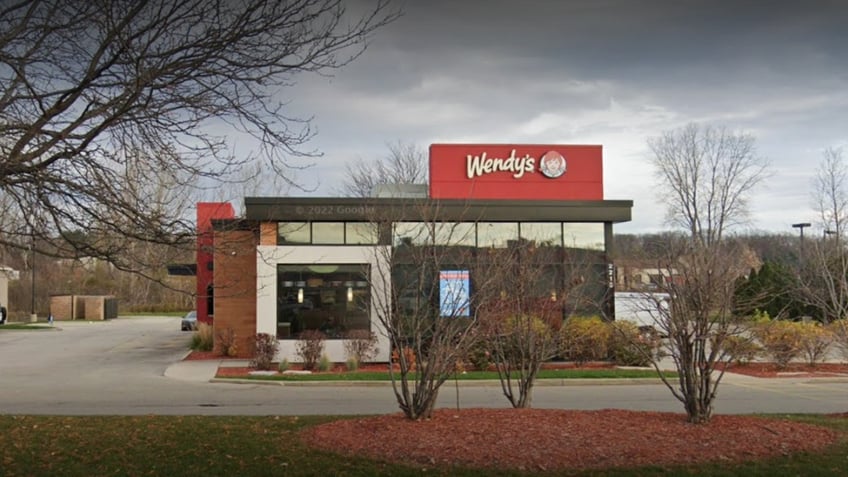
[(800, 227), (32, 317)]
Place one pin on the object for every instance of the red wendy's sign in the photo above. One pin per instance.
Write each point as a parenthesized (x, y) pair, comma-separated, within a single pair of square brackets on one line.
[(516, 171)]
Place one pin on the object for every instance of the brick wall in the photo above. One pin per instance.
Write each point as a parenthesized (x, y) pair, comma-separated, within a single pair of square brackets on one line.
[(235, 287)]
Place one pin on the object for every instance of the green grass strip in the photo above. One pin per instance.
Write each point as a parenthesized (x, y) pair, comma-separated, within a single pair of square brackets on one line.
[(605, 373), (24, 326)]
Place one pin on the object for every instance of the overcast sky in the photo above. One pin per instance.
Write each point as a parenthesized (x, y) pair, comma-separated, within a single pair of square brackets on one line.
[(609, 72)]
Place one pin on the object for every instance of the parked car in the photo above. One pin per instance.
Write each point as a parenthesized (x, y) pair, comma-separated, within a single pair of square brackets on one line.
[(189, 322)]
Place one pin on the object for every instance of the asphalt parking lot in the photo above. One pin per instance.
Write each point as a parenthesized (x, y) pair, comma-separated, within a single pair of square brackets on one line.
[(127, 366)]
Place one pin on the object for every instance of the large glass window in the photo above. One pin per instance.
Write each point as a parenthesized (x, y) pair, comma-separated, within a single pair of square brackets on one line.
[(542, 234), (361, 233), (455, 234), (331, 298), (293, 233), (328, 232), (496, 234), (589, 236), (411, 233)]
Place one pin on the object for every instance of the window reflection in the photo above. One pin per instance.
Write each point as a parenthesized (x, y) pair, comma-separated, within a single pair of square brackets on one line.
[(589, 236), (545, 234), (455, 234), (496, 234), (328, 232), (361, 233), (293, 232), (411, 233)]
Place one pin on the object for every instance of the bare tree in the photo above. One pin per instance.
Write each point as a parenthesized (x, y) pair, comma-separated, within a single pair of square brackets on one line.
[(707, 174), (428, 317), (405, 163), (824, 268), (536, 285), (101, 99)]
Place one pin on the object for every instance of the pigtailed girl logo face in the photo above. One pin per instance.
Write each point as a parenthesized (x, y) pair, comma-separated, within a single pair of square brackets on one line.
[(552, 164)]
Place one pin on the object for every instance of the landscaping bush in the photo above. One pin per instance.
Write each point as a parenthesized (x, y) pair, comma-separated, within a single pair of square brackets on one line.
[(283, 366), (203, 338), (815, 341), (352, 364), (781, 340), (324, 364), (584, 339), (630, 347), (361, 345), (479, 356), (309, 347), (741, 350), (264, 351), (227, 342)]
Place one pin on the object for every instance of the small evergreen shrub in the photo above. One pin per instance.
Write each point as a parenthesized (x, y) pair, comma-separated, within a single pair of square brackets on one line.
[(352, 364), (264, 350), (203, 338), (479, 356), (584, 339), (310, 347)]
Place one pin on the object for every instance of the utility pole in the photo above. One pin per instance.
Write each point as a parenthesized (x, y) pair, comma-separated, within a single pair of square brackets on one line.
[(800, 227)]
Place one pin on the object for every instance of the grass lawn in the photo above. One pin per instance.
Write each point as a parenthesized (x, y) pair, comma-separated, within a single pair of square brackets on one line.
[(584, 373), (239, 445), (25, 326)]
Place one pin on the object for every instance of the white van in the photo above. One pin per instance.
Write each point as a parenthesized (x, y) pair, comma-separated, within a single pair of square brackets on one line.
[(642, 308)]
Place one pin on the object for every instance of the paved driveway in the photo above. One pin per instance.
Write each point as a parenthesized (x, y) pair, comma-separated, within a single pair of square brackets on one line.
[(118, 367)]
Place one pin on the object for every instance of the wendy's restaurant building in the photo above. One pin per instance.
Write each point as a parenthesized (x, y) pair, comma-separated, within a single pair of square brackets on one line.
[(292, 265)]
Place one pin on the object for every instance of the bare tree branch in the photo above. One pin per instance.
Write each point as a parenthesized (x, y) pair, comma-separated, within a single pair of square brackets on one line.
[(110, 111)]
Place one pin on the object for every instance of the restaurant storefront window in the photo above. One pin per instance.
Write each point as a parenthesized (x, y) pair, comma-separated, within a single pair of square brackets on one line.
[(331, 298)]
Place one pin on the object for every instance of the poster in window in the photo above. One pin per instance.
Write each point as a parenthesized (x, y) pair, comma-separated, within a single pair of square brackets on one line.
[(454, 295)]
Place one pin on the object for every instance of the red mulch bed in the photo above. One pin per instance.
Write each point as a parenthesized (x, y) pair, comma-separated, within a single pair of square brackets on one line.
[(545, 440), (204, 355), (793, 370)]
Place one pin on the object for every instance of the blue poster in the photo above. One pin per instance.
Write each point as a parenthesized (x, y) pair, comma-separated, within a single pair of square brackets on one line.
[(454, 294)]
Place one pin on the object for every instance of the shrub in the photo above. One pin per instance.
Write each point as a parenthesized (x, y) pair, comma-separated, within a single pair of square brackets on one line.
[(781, 340), (283, 366), (630, 347), (839, 332), (479, 356), (352, 364), (741, 350), (360, 345), (203, 338), (310, 347), (584, 339), (264, 351), (814, 341), (324, 364), (227, 342)]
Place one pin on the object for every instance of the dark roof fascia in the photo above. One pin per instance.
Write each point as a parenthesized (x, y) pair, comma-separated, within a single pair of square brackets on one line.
[(381, 209), (222, 225)]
